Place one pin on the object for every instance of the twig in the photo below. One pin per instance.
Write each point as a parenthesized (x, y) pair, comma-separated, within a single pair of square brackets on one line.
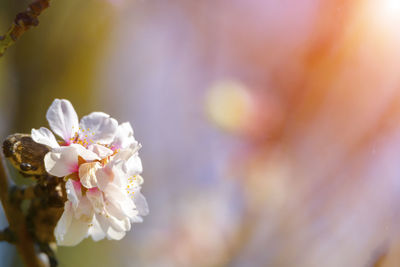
[(7, 235), (23, 21), (17, 224), (21, 193)]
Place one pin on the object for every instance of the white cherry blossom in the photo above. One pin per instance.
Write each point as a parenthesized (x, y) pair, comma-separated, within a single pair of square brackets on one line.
[(100, 161)]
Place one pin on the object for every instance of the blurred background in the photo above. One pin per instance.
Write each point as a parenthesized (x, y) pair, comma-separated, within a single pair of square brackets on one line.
[(270, 129)]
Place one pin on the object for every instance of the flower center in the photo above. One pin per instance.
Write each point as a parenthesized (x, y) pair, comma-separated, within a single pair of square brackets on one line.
[(82, 137), (130, 188)]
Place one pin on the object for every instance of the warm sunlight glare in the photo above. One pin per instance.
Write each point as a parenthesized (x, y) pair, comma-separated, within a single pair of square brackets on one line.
[(387, 12)]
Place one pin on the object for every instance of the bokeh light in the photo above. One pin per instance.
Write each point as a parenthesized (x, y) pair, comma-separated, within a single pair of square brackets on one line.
[(270, 129)]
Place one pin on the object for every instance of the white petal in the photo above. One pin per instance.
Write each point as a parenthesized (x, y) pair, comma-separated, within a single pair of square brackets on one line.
[(74, 192), (114, 234), (63, 223), (141, 203), (118, 195), (101, 151), (107, 217), (87, 174), (84, 211), (121, 204), (85, 153), (110, 231), (95, 231), (99, 128), (129, 162), (120, 201), (45, 137), (104, 176), (123, 155), (63, 119), (118, 225), (77, 231), (139, 180), (134, 166), (124, 136), (95, 197), (102, 222), (119, 161), (136, 219), (61, 161), (117, 212), (70, 231)]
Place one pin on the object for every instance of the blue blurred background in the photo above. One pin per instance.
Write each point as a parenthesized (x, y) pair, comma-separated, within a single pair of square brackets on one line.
[(270, 129)]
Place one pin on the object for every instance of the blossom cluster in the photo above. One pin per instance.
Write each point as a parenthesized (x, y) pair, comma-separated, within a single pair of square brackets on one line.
[(98, 158)]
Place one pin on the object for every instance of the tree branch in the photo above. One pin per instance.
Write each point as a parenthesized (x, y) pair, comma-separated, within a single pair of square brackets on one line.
[(23, 21), (17, 223), (7, 235)]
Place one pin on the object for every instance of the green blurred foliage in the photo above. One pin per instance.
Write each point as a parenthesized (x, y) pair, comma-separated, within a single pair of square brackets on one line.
[(58, 59)]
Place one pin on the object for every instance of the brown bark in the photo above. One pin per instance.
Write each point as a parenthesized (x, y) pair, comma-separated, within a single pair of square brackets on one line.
[(23, 21), (17, 223)]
